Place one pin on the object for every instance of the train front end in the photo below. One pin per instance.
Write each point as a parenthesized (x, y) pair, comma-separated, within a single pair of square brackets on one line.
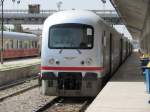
[(70, 63)]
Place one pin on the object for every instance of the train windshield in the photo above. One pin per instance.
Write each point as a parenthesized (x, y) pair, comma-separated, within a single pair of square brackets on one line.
[(71, 36)]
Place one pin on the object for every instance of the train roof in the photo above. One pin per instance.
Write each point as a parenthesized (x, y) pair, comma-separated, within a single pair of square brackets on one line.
[(73, 16), (76, 16), (18, 36)]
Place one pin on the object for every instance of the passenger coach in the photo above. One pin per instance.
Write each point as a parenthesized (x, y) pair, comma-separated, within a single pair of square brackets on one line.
[(17, 45)]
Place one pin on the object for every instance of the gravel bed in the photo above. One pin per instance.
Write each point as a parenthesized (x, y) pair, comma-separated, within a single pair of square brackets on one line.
[(71, 104), (25, 102), (17, 88), (65, 108)]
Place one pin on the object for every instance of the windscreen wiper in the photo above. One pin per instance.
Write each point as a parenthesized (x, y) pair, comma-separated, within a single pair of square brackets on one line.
[(76, 49), (60, 51), (79, 51)]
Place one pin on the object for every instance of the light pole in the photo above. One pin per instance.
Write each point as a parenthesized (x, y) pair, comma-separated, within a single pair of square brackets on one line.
[(104, 2), (2, 32), (59, 5), (2, 28)]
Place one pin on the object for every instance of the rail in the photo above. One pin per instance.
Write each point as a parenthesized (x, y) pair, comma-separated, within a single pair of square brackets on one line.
[(63, 104)]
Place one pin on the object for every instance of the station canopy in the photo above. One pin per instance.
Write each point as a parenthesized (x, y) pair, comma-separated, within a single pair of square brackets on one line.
[(133, 14)]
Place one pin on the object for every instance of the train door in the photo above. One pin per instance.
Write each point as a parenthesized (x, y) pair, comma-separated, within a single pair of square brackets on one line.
[(104, 48), (110, 54), (126, 49), (121, 50)]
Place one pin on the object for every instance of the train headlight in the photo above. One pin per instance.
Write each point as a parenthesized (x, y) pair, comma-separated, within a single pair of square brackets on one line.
[(88, 61), (51, 61)]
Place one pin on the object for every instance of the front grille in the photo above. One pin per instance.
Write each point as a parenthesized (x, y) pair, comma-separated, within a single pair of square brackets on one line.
[(69, 80)]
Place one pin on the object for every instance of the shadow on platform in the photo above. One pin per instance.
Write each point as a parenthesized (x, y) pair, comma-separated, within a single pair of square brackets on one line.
[(129, 71)]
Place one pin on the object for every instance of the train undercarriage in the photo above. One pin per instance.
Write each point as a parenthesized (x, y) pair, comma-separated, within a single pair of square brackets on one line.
[(71, 84)]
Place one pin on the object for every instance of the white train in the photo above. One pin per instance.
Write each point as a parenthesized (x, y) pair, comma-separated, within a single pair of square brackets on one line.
[(79, 53)]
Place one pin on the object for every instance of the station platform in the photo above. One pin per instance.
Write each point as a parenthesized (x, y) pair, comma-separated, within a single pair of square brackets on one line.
[(19, 63), (125, 92), (15, 70)]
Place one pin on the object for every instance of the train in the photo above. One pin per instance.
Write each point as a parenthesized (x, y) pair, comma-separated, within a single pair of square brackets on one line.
[(80, 52), (19, 45)]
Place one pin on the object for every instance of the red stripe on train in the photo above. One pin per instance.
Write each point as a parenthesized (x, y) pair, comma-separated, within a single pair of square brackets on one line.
[(73, 68)]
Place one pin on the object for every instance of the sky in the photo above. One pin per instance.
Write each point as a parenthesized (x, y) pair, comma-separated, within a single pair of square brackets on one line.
[(66, 4), (51, 4)]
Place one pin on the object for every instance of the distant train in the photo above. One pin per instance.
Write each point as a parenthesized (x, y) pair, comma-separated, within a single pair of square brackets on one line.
[(79, 53), (18, 45)]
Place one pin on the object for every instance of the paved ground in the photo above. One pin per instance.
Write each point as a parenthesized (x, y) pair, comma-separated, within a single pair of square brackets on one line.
[(125, 92)]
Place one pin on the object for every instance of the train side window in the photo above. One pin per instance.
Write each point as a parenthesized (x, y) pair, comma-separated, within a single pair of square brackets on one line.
[(28, 44), (7, 45), (11, 44), (35, 44), (14, 44), (32, 44), (20, 44), (25, 44), (104, 38), (17, 44)]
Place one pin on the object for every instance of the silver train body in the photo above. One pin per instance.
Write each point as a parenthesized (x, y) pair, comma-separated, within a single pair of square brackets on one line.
[(79, 53)]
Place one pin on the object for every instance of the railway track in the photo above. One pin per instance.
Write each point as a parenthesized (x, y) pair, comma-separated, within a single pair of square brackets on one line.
[(17, 87), (15, 83), (65, 104), (25, 102)]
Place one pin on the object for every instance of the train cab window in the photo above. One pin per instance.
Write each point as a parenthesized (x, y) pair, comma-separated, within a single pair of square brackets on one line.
[(71, 36)]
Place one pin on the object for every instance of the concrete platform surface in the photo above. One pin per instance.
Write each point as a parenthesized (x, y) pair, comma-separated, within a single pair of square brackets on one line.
[(13, 64), (15, 70), (125, 92)]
